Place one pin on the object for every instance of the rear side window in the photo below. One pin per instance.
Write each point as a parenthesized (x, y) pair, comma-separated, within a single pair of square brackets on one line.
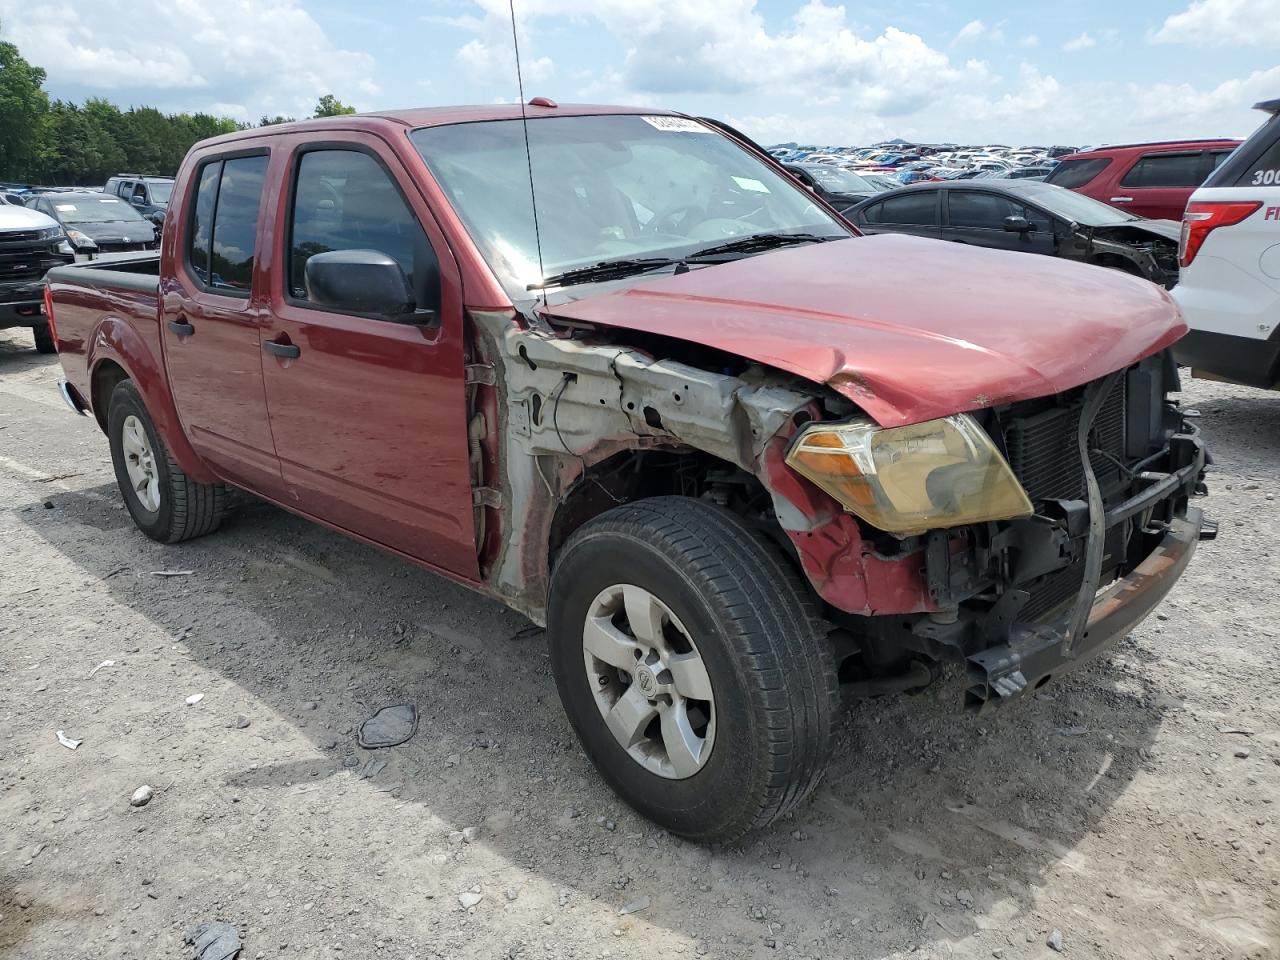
[(1076, 173), (224, 226), (1166, 170), (911, 208), (1265, 171), (346, 200), (870, 214)]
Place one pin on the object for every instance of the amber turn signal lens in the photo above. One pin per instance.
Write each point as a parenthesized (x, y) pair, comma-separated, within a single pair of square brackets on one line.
[(905, 480)]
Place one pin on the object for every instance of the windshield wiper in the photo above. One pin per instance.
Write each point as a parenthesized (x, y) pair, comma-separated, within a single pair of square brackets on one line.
[(758, 241), (604, 270)]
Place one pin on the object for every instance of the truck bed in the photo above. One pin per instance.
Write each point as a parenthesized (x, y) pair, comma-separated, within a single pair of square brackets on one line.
[(111, 299)]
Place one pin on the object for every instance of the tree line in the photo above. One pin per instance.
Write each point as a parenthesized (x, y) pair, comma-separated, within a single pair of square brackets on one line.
[(58, 143)]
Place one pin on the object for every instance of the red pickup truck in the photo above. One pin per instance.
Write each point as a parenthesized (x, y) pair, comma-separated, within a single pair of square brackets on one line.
[(734, 456)]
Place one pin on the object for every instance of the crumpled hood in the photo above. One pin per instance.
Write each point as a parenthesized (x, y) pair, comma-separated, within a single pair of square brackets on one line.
[(1166, 229), (907, 328)]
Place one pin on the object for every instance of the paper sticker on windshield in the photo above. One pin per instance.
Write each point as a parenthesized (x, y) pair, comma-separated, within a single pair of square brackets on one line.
[(64, 207), (755, 186), (108, 200), (675, 124)]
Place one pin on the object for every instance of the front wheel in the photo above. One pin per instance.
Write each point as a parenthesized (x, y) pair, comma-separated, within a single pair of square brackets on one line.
[(686, 653), (164, 502)]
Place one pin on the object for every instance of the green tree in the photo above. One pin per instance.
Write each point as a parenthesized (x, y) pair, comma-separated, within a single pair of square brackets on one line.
[(331, 106), (272, 121), (23, 105)]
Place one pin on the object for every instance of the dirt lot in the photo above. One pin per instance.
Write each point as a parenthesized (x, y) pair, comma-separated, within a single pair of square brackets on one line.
[(1132, 808)]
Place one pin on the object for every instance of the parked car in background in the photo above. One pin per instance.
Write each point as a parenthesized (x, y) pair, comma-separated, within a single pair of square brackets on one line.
[(99, 223), (148, 195), (730, 453), (839, 187), (1030, 217), (1230, 259), (1152, 180), (30, 243)]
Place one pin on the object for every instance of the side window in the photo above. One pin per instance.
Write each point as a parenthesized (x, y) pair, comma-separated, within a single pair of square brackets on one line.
[(1166, 170), (346, 200), (140, 192), (911, 208), (1076, 173), (202, 220), (1265, 171), (985, 211), (224, 224), (124, 189), (871, 214), (1216, 158)]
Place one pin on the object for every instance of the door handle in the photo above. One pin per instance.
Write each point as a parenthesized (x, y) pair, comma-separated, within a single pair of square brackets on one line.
[(1122, 199), (286, 350), (181, 328)]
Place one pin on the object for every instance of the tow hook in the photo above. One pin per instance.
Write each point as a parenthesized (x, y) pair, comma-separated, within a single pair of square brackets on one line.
[(1208, 529)]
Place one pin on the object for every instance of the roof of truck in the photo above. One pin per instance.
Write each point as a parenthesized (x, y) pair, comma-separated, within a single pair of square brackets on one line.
[(435, 116)]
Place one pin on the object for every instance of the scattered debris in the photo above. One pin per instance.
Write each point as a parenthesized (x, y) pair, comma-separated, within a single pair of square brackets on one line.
[(470, 898), (1072, 731), (194, 699), (1242, 754), (172, 573), (239, 723), (1243, 731), (67, 741), (389, 727), (635, 906), (142, 796), (214, 941), (104, 663), (372, 769), (470, 834), (1054, 942), (527, 633)]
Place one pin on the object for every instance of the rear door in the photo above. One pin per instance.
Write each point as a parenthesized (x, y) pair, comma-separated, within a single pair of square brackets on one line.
[(978, 217), (1159, 184), (369, 414), (211, 311), (917, 212)]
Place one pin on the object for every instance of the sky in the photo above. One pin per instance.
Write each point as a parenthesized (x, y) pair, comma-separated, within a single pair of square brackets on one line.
[(814, 71)]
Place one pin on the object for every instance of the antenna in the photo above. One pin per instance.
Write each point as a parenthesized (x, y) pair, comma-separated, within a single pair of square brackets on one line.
[(528, 156)]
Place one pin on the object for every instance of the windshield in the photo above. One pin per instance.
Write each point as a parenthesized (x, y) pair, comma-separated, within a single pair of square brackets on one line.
[(1076, 206), (613, 187), (839, 181), (93, 210), (160, 191)]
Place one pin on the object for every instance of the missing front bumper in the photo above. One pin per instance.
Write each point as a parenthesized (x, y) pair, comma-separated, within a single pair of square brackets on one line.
[(1035, 654)]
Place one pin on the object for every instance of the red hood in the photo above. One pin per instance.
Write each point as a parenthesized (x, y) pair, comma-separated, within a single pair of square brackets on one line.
[(909, 329)]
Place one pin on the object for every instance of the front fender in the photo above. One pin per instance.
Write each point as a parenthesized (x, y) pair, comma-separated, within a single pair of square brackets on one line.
[(115, 341)]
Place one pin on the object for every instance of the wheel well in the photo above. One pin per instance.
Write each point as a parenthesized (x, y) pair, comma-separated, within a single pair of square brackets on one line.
[(105, 379), (1117, 262), (639, 474)]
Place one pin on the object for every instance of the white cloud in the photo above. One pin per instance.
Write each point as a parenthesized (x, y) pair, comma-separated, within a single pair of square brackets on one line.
[(1211, 23), (268, 53), (970, 31), (1029, 41), (1082, 42)]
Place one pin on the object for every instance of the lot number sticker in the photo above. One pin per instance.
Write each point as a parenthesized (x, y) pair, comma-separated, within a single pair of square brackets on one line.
[(675, 124), (1264, 178)]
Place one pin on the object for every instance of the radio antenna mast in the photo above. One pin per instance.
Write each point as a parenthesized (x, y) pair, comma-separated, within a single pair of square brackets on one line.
[(528, 155)]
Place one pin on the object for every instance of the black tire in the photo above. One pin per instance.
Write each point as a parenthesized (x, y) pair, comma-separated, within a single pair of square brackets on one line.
[(44, 339), (755, 625), (186, 509)]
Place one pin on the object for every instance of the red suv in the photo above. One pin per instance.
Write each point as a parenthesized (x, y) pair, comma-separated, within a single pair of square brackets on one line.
[(1147, 179)]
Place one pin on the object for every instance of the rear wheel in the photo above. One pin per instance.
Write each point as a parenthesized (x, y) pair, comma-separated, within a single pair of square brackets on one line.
[(44, 339), (686, 653), (164, 502)]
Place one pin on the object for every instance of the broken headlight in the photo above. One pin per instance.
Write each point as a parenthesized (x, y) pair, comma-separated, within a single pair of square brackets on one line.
[(904, 480)]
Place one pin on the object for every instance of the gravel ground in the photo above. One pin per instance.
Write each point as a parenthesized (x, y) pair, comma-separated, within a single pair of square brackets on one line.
[(1128, 811)]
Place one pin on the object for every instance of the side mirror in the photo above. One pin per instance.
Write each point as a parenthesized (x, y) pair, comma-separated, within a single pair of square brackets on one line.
[(360, 281), (138, 201), (1017, 224)]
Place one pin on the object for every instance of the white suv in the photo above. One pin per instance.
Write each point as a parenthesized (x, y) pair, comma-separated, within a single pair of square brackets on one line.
[(1229, 285)]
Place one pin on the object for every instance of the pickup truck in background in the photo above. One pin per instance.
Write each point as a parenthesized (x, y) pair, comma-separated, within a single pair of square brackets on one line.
[(727, 450), (30, 243)]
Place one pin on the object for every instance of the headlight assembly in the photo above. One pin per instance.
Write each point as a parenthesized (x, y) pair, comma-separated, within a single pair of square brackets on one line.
[(81, 241), (905, 480)]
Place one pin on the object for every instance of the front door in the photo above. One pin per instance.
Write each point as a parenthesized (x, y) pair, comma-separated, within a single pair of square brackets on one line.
[(978, 217), (369, 413), (210, 317)]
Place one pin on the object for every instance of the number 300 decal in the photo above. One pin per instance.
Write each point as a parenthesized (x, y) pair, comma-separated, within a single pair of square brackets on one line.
[(1265, 177)]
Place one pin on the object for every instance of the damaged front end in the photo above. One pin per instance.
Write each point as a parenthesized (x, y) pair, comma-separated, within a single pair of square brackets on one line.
[(1139, 248)]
